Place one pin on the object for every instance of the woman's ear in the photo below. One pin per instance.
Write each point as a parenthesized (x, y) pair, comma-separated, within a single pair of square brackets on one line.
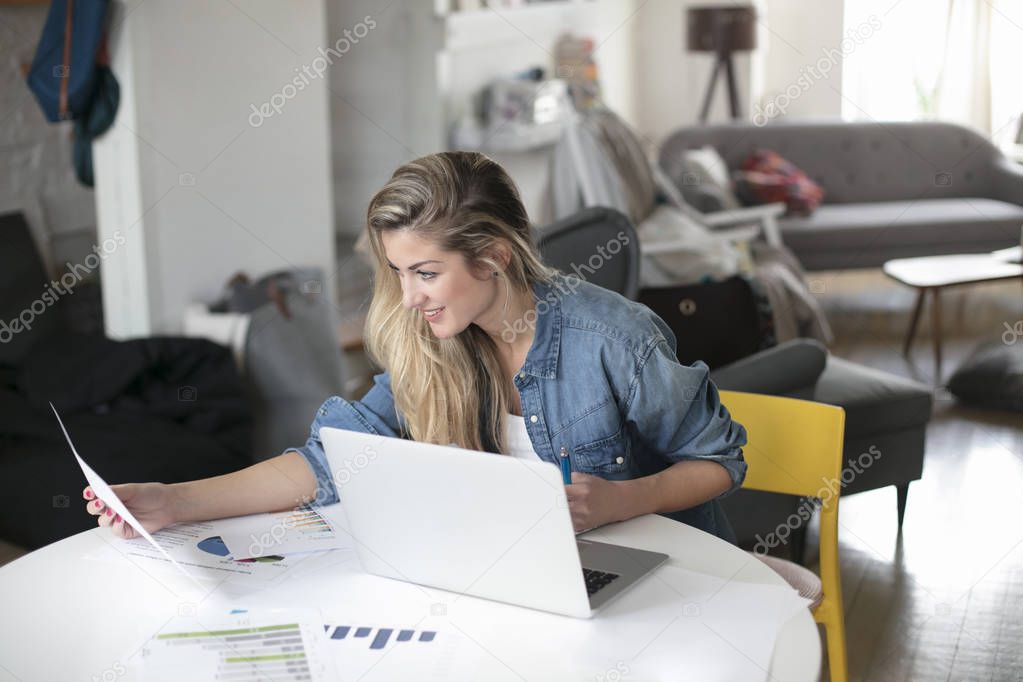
[(500, 254)]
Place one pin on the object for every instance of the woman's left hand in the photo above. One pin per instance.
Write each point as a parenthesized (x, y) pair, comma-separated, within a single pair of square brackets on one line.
[(593, 501)]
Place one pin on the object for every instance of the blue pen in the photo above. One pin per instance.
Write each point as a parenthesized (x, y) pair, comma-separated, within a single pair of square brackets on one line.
[(566, 466)]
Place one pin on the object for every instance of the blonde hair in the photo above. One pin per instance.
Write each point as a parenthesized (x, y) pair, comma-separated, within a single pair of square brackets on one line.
[(449, 390)]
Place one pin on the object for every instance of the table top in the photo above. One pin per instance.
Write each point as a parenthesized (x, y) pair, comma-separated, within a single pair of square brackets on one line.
[(69, 617), (941, 271)]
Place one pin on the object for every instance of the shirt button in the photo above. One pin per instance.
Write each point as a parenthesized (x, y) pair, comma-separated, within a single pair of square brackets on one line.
[(533, 419), (619, 460), (522, 375)]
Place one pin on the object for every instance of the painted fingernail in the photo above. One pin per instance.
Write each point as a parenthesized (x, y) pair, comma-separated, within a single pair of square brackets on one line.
[(109, 512), (88, 494), (117, 519)]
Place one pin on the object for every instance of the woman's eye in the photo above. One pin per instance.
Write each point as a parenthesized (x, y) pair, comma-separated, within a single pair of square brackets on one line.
[(427, 275)]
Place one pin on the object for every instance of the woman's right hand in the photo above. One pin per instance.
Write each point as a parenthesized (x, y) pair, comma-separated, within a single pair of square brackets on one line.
[(150, 503)]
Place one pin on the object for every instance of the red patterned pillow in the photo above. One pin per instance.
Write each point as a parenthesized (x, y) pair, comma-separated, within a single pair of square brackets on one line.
[(766, 178)]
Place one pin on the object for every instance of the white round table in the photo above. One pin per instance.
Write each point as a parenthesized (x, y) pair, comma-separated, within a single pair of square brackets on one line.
[(66, 617)]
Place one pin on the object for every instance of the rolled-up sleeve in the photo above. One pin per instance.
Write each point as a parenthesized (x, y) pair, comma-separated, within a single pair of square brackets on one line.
[(375, 413), (676, 411)]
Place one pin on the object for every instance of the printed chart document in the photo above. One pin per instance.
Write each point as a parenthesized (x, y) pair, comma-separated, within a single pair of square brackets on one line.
[(289, 532), (198, 547), (279, 645)]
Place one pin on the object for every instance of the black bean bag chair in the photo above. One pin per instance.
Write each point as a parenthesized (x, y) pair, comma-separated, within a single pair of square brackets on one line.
[(992, 376)]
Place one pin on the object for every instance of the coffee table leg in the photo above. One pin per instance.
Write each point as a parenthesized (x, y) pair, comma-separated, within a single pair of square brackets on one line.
[(936, 318), (920, 295)]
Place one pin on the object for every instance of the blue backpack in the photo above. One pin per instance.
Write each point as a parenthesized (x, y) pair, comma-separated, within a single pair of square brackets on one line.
[(63, 73)]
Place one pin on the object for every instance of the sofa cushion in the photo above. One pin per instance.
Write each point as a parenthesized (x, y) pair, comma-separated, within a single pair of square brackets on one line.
[(860, 235), (704, 168), (874, 401)]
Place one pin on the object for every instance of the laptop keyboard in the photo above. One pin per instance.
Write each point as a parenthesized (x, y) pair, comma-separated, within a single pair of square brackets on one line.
[(597, 580)]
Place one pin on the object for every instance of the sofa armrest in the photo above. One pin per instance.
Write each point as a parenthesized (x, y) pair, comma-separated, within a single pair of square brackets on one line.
[(766, 216), (786, 369), (735, 234), (1007, 181)]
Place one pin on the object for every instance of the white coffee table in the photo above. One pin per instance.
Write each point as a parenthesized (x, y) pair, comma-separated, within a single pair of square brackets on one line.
[(934, 273)]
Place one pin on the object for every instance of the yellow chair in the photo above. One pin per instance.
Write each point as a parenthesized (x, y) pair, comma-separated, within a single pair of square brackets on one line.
[(795, 447)]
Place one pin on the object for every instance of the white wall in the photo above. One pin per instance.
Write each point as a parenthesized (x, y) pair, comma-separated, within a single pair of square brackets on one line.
[(671, 81), (196, 186), (804, 55), (383, 106), (791, 34)]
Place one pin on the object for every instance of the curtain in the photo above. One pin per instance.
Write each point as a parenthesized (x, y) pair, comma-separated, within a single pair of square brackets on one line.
[(950, 60)]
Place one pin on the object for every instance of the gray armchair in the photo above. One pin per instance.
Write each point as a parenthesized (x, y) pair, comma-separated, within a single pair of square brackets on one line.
[(884, 413)]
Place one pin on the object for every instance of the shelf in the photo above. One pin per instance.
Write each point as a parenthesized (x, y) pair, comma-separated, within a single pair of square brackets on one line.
[(506, 138)]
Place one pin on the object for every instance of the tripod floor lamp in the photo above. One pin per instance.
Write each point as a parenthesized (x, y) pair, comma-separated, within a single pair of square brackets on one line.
[(723, 30)]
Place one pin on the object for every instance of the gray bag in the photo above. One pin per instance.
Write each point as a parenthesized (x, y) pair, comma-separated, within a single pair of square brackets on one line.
[(293, 359)]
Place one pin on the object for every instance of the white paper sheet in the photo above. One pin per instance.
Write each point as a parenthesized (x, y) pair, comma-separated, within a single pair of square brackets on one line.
[(280, 645), (109, 498)]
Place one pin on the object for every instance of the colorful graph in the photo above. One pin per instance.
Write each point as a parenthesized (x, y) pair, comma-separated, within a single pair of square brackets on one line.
[(215, 545), (241, 653)]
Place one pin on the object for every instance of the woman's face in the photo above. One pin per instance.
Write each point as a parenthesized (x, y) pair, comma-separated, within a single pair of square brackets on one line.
[(440, 286)]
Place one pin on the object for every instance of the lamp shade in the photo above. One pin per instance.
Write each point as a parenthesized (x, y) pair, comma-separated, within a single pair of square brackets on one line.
[(721, 29)]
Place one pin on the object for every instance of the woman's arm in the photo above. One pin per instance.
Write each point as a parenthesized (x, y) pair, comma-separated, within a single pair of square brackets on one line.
[(299, 476), (676, 411), (284, 482), (594, 501)]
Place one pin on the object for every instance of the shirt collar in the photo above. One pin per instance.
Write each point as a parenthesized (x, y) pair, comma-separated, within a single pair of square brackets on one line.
[(542, 358)]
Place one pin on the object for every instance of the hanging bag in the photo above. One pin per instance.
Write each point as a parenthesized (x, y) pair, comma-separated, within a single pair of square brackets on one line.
[(63, 73)]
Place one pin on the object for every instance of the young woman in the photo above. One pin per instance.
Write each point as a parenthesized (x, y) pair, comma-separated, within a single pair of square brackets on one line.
[(487, 348)]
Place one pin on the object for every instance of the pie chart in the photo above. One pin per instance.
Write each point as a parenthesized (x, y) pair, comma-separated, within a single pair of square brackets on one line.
[(214, 545)]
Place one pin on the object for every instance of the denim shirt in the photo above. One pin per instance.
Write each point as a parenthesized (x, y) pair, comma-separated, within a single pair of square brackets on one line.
[(602, 380)]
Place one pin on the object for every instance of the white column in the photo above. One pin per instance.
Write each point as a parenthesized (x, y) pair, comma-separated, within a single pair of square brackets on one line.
[(219, 159)]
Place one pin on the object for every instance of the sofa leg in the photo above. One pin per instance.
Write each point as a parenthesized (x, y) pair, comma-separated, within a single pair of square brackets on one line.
[(901, 493)]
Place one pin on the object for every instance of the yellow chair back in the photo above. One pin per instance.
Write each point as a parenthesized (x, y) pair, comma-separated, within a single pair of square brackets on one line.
[(795, 447)]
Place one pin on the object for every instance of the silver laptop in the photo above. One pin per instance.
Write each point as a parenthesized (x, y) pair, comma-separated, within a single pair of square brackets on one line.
[(475, 523)]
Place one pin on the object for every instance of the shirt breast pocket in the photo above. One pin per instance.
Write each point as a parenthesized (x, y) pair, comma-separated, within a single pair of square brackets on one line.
[(597, 442)]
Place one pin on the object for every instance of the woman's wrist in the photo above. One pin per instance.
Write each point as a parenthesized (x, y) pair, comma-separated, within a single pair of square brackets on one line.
[(180, 502), (638, 497)]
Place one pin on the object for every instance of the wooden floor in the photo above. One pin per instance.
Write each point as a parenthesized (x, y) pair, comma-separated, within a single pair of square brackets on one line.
[(943, 600)]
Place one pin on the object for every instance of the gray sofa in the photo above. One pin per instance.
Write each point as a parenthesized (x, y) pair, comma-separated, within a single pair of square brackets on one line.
[(892, 190)]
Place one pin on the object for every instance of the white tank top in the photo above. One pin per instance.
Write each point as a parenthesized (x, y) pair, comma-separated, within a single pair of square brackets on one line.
[(517, 438)]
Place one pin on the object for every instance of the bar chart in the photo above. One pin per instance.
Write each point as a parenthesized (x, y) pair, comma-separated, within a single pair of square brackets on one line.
[(378, 637), (280, 652)]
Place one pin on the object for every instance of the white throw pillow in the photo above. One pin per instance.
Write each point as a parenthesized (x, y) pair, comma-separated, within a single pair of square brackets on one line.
[(708, 168)]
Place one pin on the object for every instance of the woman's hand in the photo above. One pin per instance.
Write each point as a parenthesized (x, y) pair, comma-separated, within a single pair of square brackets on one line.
[(593, 501), (152, 504)]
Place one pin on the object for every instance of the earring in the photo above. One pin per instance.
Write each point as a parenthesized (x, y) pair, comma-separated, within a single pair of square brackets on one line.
[(496, 273)]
